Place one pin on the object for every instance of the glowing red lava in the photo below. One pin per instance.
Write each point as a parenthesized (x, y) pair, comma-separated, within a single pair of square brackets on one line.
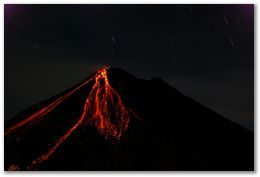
[(103, 109), (38, 115)]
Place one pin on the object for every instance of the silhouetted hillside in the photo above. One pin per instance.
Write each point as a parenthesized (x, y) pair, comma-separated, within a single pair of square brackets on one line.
[(115, 121)]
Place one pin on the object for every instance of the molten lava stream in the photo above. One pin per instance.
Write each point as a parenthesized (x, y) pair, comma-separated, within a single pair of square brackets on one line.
[(46, 156), (38, 115), (102, 103)]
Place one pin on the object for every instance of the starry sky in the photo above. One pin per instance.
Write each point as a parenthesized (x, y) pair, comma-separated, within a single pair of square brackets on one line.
[(204, 51)]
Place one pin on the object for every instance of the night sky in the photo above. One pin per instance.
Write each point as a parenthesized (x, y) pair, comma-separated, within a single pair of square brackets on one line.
[(204, 51)]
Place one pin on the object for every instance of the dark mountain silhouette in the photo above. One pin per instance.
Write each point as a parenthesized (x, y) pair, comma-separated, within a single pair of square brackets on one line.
[(129, 124)]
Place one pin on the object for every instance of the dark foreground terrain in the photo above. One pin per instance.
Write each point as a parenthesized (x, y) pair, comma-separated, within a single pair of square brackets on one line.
[(167, 131)]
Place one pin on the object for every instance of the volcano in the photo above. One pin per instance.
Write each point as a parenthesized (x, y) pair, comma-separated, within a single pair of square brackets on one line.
[(115, 121)]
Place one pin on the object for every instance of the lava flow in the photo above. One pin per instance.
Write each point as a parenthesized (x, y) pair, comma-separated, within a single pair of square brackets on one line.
[(103, 109), (38, 115)]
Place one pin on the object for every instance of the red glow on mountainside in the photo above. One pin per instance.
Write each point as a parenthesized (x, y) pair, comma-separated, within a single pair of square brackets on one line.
[(103, 109), (38, 115)]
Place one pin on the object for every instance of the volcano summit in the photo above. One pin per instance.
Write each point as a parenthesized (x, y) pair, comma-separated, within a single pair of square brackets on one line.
[(115, 121)]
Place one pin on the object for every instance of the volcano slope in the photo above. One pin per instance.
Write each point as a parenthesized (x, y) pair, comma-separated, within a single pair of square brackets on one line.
[(115, 121)]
